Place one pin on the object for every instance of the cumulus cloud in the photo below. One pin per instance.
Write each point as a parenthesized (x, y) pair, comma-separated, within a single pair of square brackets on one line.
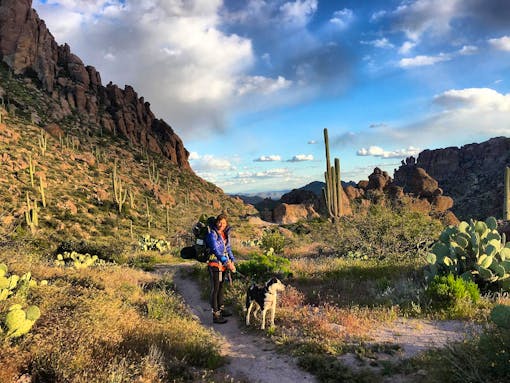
[(298, 12), (423, 60), (376, 151), (474, 99), (208, 163), (312, 142), (342, 18), (270, 158), (174, 53), (301, 157), (502, 43), (194, 156), (414, 18)]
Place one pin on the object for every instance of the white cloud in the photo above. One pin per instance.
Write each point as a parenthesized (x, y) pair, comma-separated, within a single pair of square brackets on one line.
[(423, 60), (269, 158), (417, 17), (468, 50), (194, 156), (209, 163), (474, 99), (502, 43), (376, 151), (406, 47), (301, 157), (173, 52), (379, 43), (312, 142), (378, 125), (299, 12), (262, 85), (342, 18)]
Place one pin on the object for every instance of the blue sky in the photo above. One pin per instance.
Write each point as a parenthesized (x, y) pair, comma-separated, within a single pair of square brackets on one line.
[(249, 85)]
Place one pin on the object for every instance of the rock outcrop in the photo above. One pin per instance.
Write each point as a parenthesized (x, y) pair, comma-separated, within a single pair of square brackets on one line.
[(473, 175), (29, 49), (286, 213)]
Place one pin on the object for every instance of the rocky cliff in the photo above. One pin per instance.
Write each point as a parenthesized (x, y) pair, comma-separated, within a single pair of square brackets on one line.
[(29, 49), (473, 175)]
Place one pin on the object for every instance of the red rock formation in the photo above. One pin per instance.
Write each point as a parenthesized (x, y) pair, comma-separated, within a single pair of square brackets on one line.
[(473, 175), (28, 48)]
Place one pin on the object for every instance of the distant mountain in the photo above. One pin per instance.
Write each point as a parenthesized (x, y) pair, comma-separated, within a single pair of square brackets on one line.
[(254, 198)]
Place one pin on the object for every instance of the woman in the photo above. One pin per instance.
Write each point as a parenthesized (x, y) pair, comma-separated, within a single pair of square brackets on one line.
[(221, 260)]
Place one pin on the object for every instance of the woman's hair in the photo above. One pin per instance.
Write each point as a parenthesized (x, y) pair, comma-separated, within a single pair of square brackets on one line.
[(220, 217)]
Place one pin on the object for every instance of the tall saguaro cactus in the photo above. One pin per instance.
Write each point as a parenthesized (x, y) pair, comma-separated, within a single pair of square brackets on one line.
[(332, 192), (119, 194), (506, 213)]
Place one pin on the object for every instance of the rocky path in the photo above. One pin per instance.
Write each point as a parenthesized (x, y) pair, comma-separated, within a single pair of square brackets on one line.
[(251, 358)]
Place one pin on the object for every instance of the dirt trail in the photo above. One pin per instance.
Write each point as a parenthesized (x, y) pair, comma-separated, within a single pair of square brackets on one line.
[(251, 358)]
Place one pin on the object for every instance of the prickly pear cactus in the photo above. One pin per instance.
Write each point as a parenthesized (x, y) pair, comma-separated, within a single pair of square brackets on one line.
[(19, 322), (473, 250), (77, 260), (147, 243)]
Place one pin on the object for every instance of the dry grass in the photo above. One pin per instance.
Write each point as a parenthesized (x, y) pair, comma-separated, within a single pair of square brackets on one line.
[(95, 327)]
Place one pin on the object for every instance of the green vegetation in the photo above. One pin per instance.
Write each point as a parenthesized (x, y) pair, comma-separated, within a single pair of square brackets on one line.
[(261, 266), (333, 190), (475, 251), (454, 295), (272, 239)]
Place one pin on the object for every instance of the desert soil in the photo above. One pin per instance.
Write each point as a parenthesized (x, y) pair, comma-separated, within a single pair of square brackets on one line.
[(251, 358)]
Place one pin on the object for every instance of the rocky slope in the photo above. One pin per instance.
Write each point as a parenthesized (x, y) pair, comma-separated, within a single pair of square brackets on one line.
[(30, 50), (473, 175)]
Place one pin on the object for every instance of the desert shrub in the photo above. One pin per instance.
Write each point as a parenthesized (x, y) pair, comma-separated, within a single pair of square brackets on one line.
[(261, 266), (272, 239), (385, 233), (455, 296)]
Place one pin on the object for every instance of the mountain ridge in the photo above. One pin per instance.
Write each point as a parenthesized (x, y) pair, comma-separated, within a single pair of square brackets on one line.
[(29, 49)]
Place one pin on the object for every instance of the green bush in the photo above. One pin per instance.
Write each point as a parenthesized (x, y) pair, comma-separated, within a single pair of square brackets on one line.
[(272, 239), (385, 233), (262, 266), (453, 295)]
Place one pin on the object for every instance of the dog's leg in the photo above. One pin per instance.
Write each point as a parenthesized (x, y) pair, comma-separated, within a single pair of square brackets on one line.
[(264, 318), (273, 311), (256, 312), (248, 313)]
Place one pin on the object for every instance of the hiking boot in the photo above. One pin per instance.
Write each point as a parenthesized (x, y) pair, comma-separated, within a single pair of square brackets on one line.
[(218, 318), (225, 313)]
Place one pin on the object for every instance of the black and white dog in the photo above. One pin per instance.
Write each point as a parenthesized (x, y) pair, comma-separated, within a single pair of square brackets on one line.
[(263, 298)]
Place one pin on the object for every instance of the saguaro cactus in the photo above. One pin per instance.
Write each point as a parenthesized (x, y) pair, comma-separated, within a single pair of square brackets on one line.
[(506, 213), (119, 195), (332, 192)]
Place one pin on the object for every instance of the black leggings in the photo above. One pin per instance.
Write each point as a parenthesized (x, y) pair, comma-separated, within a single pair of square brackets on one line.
[(216, 277)]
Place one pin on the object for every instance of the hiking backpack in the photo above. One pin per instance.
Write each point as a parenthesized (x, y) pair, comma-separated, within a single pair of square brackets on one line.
[(199, 250)]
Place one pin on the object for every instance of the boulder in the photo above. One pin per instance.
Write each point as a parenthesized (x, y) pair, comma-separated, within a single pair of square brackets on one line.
[(286, 213)]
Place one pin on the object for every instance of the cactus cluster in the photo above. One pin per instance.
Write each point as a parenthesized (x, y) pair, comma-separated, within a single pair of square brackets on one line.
[(77, 260), (474, 251), (14, 284), (147, 243), (18, 322)]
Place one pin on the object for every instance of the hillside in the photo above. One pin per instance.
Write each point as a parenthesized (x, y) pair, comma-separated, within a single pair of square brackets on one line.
[(76, 173)]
